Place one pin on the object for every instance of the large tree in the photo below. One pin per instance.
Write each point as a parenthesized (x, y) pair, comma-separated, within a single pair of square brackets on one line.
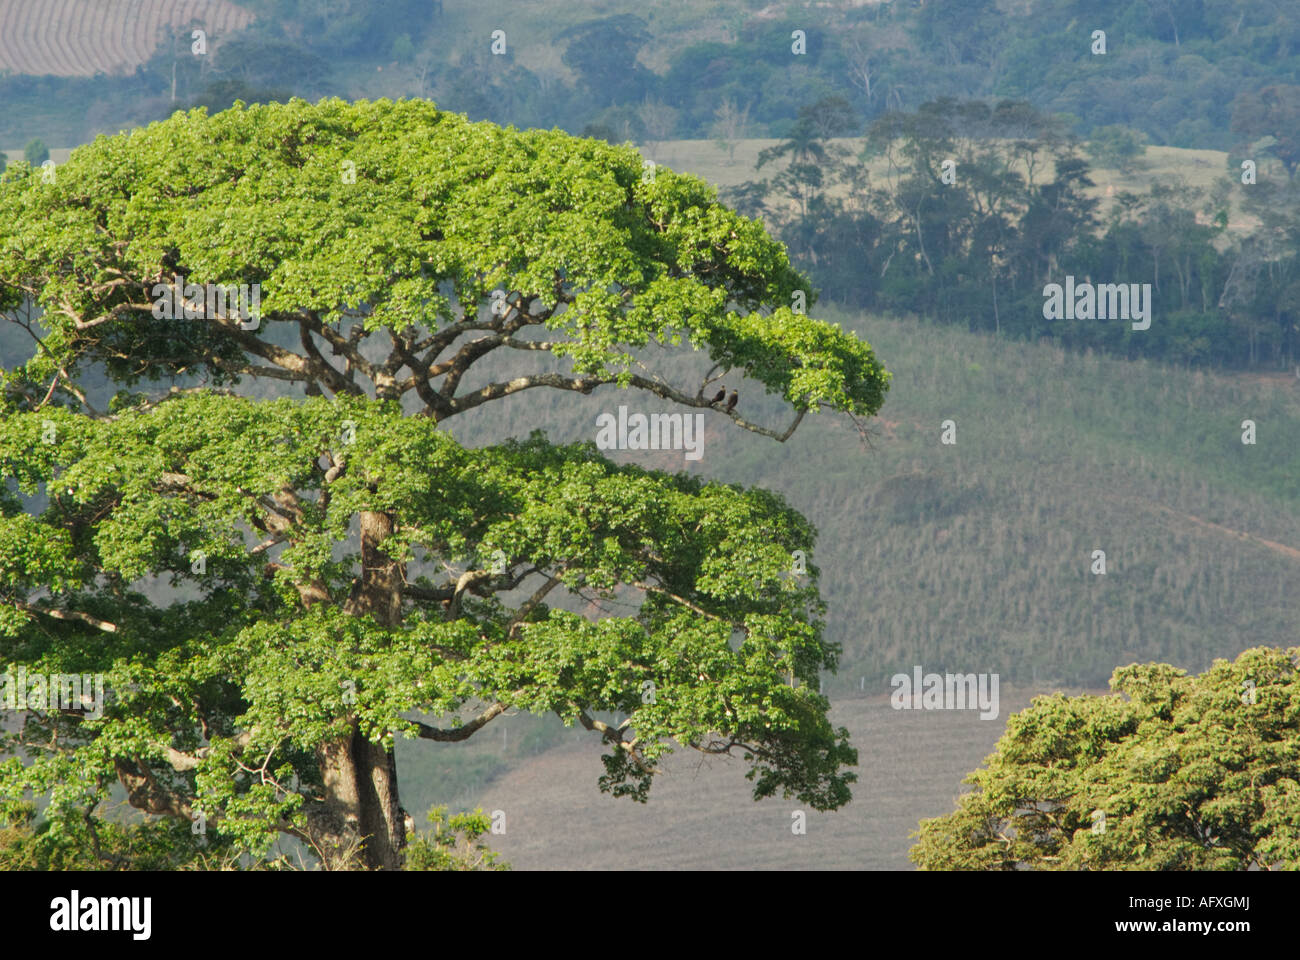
[(1171, 772), (340, 567)]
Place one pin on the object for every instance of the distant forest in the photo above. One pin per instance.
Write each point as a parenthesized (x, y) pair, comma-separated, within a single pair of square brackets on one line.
[(963, 212)]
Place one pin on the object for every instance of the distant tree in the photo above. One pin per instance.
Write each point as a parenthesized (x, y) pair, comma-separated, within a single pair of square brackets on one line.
[(625, 121), (809, 163), (1116, 147), (4, 161), (831, 116), (1273, 111), (36, 152), (803, 144), (729, 126), (424, 65), (659, 122), (1170, 772), (600, 131), (403, 48), (862, 65), (603, 53), (266, 62)]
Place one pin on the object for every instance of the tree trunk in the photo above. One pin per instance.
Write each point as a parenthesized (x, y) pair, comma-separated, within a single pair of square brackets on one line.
[(361, 823)]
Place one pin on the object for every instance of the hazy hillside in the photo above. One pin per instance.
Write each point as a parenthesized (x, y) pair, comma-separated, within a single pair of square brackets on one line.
[(701, 815), (967, 558), (925, 548)]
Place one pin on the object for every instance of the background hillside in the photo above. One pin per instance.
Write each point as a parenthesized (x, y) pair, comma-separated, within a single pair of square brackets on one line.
[(1171, 70), (970, 558)]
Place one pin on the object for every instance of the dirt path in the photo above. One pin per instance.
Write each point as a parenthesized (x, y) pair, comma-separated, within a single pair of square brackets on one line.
[(1273, 545)]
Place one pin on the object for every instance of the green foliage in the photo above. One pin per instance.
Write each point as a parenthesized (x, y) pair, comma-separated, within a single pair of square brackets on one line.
[(147, 490), (1172, 772), (286, 640), (442, 211), (1116, 146), (453, 844), (96, 842)]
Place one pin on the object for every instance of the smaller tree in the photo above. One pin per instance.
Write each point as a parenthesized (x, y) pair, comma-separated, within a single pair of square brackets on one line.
[(1171, 772), (453, 844), (36, 152), (729, 124), (830, 117), (1117, 147), (600, 131), (604, 54), (659, 121), (403, 48)]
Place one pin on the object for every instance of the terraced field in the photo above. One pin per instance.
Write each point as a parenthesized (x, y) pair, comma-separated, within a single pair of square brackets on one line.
[(80, 38)]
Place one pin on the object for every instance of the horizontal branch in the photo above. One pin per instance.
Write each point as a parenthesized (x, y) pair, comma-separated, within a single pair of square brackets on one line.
[(68, 615), (587, 384), (464, 732)]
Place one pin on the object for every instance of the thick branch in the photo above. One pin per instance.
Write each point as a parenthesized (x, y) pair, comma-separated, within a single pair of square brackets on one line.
[(68, 615), (463, 732)]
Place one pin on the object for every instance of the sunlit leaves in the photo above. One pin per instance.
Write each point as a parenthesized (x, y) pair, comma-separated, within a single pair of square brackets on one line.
[(1191, 773)]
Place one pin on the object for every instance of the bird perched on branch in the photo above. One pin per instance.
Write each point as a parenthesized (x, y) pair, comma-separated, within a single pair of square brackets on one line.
[(720, 395), (731, 401)]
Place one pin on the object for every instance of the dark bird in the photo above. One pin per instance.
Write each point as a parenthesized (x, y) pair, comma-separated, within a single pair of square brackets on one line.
[(731, 401), (720, 396)]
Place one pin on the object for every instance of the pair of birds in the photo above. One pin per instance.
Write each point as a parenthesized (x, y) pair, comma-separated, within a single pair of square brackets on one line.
[(731, 402)]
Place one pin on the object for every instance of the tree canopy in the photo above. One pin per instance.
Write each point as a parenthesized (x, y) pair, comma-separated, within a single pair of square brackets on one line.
[(1171, 772), (275, 589), (376, 218)]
